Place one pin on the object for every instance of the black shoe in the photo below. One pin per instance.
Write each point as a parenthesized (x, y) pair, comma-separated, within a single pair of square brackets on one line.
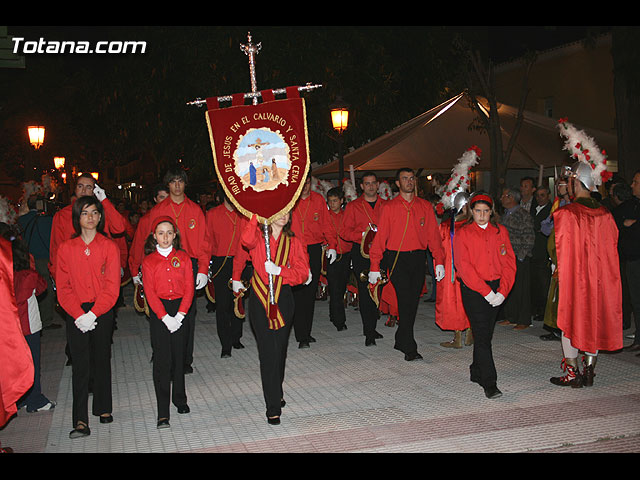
[(311, 339), (273, 420), (492, 392), (184, 408), (163, 423), (303, 345), (409, 357), (225, 355), (80, 431), (340, 328), (369, 342), (188, 369), (282, 403), (107, 419), (377, 335), (634, 347), (238, 345)]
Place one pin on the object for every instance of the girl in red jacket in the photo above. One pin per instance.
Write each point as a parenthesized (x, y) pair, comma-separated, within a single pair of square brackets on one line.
[(167, 276), (88, 285)]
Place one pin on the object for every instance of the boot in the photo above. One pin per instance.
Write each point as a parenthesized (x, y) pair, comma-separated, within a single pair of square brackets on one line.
[(456, 342), (573, 378), (589, 364), (468, 338)]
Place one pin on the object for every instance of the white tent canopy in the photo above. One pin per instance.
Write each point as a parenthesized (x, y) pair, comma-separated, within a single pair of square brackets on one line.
[(436, 139)]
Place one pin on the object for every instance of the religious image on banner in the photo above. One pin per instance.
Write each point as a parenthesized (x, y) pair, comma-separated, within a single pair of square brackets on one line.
[(262, 159), (260, 152)]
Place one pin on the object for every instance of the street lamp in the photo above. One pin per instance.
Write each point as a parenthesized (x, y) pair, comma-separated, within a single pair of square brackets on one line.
[(36, 136), (58, 162), (340, 121)]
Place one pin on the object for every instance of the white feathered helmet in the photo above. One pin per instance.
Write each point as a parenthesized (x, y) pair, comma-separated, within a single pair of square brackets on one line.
[(458, 182)]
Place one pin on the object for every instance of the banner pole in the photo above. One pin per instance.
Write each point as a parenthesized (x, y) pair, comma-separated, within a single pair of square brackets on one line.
[(198, 102)]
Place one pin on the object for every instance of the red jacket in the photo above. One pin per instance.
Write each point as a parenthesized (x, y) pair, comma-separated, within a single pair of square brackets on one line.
[(62, 229), (82, 278), (27, 283), (357, 216), (395, 233), (481, 255), (168, 278), (334, 233), (309, 219), (191, 225), (224, 228)]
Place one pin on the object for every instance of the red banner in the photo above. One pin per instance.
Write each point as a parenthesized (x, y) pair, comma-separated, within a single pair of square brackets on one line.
[(261, 153)]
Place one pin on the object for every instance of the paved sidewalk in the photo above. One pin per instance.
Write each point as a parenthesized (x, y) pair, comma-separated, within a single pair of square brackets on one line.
[(344, 397)]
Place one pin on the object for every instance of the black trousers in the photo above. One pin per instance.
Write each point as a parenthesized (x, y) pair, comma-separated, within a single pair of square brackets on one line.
[(482, 319), (407, 278), (272, 347), (517, 306), (338, 276), (633, 281), (189, 320), (540, 280), (228, 326), (91, 353), (169, 350), (305, 296), (369, 313)]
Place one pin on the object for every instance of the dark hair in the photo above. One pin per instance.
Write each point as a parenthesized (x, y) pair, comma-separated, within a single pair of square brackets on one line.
[(368, 173), (150, 243), (403, 169), (160, 187), (79, 205), (335, 192), (172, 174), (19, 248), (622, 191), (533, 182), (492, 220)]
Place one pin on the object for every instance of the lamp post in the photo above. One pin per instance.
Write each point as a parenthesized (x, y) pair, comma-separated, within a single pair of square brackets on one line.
[(340, 121)]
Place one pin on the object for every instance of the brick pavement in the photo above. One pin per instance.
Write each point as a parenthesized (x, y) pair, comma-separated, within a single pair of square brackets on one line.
[(343, 397)]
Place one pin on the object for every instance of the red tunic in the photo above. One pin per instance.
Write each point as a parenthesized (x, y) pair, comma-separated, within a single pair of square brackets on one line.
[(16, 362), (253, 248), (136, 249), (309, 219), (168, 278), (482, 255), (421, 230), (450, 312), (589, 296), (191, 225), (93, 278), (62, 228), (357, 216), (224, 228), (336, 225)]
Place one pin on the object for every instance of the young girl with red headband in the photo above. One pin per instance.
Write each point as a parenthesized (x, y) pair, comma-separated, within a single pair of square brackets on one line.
[(167, 276)]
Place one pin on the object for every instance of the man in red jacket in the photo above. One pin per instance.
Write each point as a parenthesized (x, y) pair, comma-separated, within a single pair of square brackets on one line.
[(407, 228)]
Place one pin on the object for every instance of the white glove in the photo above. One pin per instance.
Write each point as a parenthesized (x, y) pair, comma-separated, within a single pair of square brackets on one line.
[(137, 280), (201, 280), (374, 277), (272, 268), (491, 297), (179, 317), (439, 272), (86, 322), (497, 301), (121, 272), (309, 278), (171, 323), (331, 255), (237, 286), (99, 193)]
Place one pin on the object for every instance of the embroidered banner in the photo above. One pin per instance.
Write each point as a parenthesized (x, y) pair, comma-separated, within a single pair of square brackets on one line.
[(260, 152)]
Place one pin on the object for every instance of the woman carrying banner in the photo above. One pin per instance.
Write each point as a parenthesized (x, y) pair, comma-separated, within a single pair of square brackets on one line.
[(271, 323), (486, 266), (167, 276), (88, 286)]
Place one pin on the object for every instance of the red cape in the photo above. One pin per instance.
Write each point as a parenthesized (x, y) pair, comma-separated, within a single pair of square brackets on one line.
[(590, 293), (16, 363), (450, 313)]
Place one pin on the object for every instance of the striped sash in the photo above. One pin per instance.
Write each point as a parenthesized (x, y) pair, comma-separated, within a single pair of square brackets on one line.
[(262, 291)]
